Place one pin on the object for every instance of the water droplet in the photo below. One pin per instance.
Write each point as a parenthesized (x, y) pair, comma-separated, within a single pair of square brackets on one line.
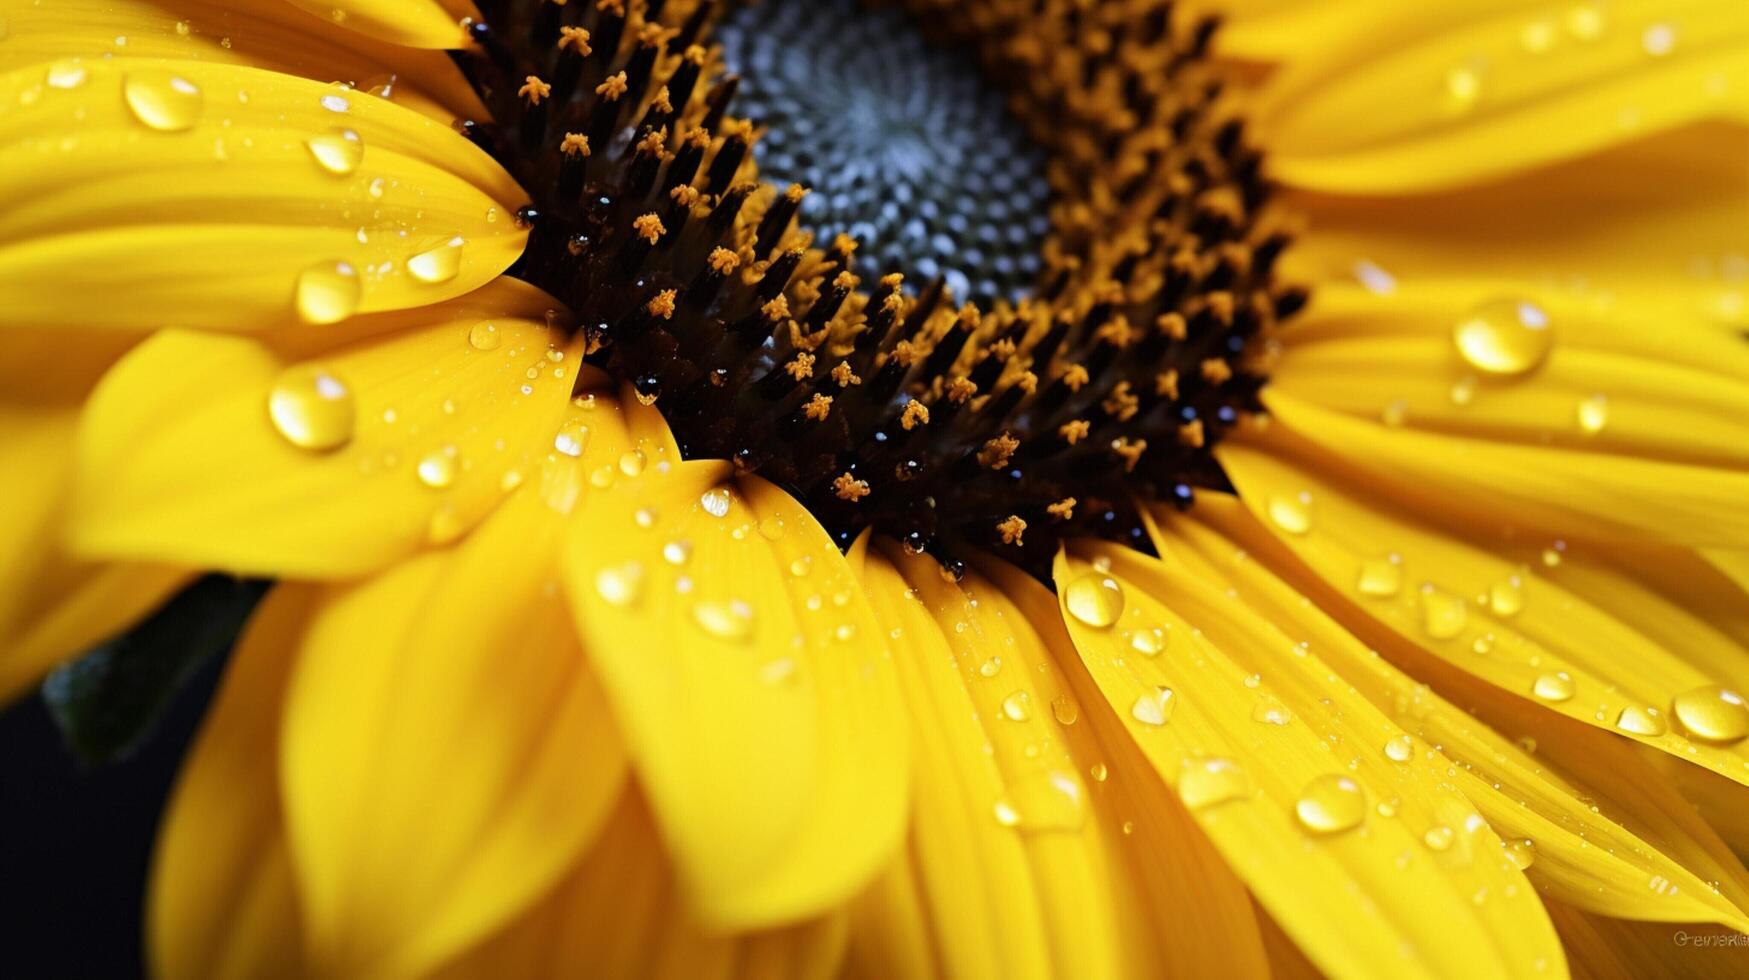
[(572, 440), (1065, 710), (991, 667), (676, 552), (1463, 85), (162, 100), (1585, 22), (1521, 852), (1269, 711), (335, 103), (732, 620), (1537, 37), (601, 477), (1712, 714), (1292, 514), (1506, 336), (1506, 597), (1017, 706), (1156, 708), (620, 585), (1376, 280), (715, 501), (327, 292), (1592, 413), (312, 408), (845, 632), (631, 462), (1438, 838), (437, 469), (1331, 804), (67, 73), (1400, 749), (772, 528), (438, 264), (1395, 413), (801, 566), (1636, 720), (1099, 772), (1658, 40), (1553, 687), (1442, 614), (338, 152), (1148, 642), (1381, 576), (1094, 599), (1206, 782), (1006, 815), (1463, 390), (1483, 644)]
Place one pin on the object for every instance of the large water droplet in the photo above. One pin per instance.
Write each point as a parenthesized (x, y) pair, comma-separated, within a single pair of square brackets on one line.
[(1017, 706), (1206, 782), (1557, 686), (631, 462), (1712, 714), (327, 292), (338, 152), (1380, 576), (715, 501), (1292, 514), (1148, 642), (1636, 720), (1504, 336), (163, 100), (1331, 804), (312, 408), (731, 620), (438, 264), (1094, 599), (1154, 708)]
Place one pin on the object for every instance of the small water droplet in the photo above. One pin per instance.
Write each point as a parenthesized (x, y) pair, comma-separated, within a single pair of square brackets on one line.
[(676, 552), (1376, 280), (801, 566), (990, 667), (339, 152), (67, 73), (1585, 22), (327, 292), (620, 585), (1400, 749), (1592, 413), (572, 440), (731, 620), (1006, 815), (631, 462), (1017, 706), (1331, 804), (644, 517), (1658, 40), (1154, 708), (1269, 711), (1291, 513), (438, 264), (715, 501), (1712, 714), (1438, 837), (1395, 413), (1506, 597), (1557, 686), (437, 469), (1521, 852), (163, 100), (1636, 720), (1099, 772), (601, 477), (1149, 642), (1442, 614), (845, 632), (1381, 576), (772, 528), (1506, 336), (1463, 86), (311, 408), (335, 103), (1065, 710), (1463, 390), (1094, 599), (1207, 782)]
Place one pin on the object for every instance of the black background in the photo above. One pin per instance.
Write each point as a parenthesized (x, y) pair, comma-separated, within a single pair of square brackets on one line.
[(76, 842)]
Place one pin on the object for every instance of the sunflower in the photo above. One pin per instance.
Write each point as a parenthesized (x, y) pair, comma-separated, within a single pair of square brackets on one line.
[(954, 487)]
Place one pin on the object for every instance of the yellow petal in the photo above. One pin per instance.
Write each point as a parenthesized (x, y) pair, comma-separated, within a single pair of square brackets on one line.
[(1566, 492), (1602, 947), (1373, 866), (234, 198), (1463, 103), (1501, 613), (447, 753), (753, 687), (259, 33), (414, 23), (619, 914), (221, 901), (1586, 838), (181, 460)]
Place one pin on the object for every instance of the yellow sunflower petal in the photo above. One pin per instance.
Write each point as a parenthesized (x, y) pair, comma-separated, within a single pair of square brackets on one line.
[(746, 668), (1568, 492), (619, 914), (1462, 103), (1373, 866), (1586, 843), (260, 33), (414, 23), (234, 198), (1515, 624), (1601, 947), (221, 900), (447, 753), (182, 461)]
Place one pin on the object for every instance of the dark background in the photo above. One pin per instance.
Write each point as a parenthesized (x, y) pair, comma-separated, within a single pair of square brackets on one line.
[(76, 841)]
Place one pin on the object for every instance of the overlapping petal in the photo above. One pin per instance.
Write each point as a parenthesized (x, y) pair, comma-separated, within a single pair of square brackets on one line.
[(414, 23)]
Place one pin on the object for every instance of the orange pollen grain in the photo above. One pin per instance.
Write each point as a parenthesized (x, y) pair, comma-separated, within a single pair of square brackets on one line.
[(1063, 509), (1074, 431), (998, 451), (534, 90), (849, 488), (915, 414), (819, 407), (1011, 529), (649, 227)]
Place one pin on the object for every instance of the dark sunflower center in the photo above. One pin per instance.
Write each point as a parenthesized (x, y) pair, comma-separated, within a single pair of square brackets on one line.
[(827, 346), (905, 146)]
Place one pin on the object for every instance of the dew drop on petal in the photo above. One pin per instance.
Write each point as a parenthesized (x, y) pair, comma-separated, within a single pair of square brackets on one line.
[(621, 585), (339, 152), (1380, 577), (162, 100), (1269, 711), (1506, 597), (485, 336), (1504, 336), (801, 566), (631, 462), (731, 620), (438, 264), (1592, 413), (335, 103), (437, 468), (1442, 614), (327, 292), (676, 552), (772, 528), (1291, 512), (1400, 749), (1065, 710), (1636, 720), (1094, 599), (1712, 714), (1207, 782), (1148, 642), (311, 408), (715, 502), (1099, 772), (1331, 804), (1521, 852), (1438, 837), (1154, 708), (1658, 39), (1017, 706), (572, 440), (66, 73), (1557, 686), (1006, 815)]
